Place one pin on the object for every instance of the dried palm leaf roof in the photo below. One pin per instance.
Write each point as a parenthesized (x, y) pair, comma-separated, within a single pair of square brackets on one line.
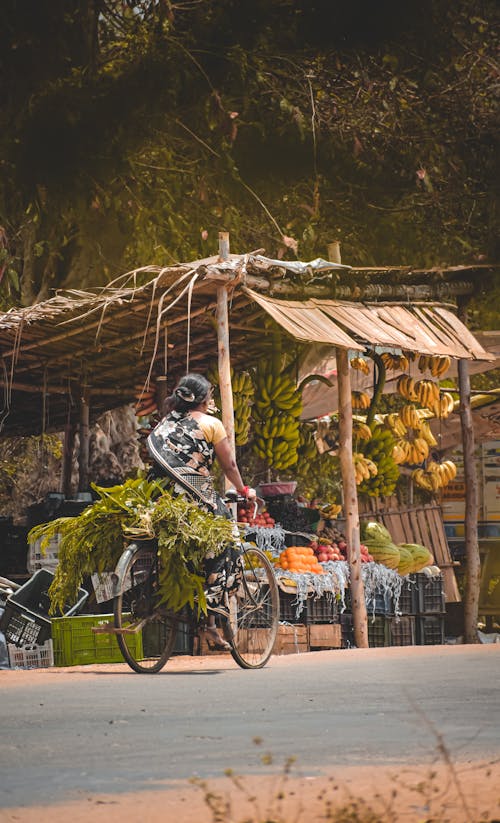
[(162, 320)]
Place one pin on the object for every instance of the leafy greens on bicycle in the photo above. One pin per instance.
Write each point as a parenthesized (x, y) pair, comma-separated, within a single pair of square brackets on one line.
[(137, 509)]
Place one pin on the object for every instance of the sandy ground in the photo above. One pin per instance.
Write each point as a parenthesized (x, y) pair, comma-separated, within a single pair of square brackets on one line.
[(459, 792)]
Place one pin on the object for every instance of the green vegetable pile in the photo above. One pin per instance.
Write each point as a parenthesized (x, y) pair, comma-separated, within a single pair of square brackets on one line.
[(94, 541)]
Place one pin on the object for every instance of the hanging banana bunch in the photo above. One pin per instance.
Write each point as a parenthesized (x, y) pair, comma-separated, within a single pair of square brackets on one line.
[(364, 468), (360, 400), (379, 450), (406, 388), (360, 364), (276, 415), (360, 429), (243, 396), (443, 406), (437, 365), (395, 361), (307, 451), (394, 423), (436, 476), (410, 416)]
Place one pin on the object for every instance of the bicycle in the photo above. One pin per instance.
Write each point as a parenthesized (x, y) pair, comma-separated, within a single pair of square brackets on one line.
[(248, 612)]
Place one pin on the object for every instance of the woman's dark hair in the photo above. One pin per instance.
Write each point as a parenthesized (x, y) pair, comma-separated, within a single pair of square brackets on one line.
[(191, 390)]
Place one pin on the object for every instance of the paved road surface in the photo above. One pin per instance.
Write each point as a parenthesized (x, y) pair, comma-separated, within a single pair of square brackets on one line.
[(112, 731)]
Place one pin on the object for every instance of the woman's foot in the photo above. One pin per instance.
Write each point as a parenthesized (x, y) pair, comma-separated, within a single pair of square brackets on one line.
[(217, 641)]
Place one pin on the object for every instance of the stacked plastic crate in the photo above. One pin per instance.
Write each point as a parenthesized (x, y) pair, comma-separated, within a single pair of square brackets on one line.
[(26, 622), (431, 610)]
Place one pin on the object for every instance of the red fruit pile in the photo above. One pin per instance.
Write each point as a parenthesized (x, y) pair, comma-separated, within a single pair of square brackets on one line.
[(246, 515), (337, 551)]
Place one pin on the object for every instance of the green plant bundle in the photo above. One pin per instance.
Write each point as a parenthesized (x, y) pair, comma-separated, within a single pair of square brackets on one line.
[(94, 541)]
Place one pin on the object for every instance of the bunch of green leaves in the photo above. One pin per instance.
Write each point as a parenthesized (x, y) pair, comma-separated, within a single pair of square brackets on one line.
[(186, 535), (94, 540)]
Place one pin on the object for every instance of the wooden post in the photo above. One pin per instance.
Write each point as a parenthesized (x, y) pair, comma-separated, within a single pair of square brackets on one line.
[(161, 392), (359, 616), (334, 252), (67, 458), (222, 316), (83, 456), (473, 575)]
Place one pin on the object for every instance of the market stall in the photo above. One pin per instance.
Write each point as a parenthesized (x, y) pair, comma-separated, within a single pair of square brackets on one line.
[(72, 357)]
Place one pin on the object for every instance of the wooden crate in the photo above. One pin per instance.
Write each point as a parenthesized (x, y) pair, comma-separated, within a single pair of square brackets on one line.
[(325, 636), (291, 640)]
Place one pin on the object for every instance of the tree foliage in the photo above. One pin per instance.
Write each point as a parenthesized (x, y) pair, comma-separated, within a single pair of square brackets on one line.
[(131, 132)]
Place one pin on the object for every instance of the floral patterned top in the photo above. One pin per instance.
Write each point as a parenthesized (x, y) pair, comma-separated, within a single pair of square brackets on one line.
[(184, 442)]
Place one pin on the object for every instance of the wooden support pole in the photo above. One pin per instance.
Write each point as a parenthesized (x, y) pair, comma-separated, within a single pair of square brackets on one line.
[(473, 572), (334, 252), (360, 621), (222, 316), (161, 392), (67, 458), (83, 456)]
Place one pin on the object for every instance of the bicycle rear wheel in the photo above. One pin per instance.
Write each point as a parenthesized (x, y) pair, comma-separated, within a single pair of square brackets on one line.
[(253, 611), (152, 628)]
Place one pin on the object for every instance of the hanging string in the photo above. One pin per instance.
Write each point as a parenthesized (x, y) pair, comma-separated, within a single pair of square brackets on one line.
[(165, 351), (188, 344), (44, 414)]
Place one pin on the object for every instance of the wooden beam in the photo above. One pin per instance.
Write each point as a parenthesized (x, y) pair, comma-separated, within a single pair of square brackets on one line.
[(351, 500), (67, 457), (83, 455), (226, 390), (473, 577)]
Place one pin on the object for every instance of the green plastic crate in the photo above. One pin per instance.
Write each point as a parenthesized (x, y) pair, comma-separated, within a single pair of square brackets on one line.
[(75, 644)]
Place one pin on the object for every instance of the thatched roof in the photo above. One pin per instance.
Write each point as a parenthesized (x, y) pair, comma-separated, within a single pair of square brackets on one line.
[(112, 338)]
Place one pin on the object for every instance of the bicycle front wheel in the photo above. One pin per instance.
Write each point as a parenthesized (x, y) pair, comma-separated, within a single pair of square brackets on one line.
[(253, 611), (147, 628)]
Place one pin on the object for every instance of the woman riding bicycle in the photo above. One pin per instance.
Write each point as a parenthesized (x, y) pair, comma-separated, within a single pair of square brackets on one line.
[(186, 441)]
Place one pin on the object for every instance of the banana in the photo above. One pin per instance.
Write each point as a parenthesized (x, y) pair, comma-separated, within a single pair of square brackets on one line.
[(361, 430), (360, 364), (423, 362), (360, 400), (443, 365), (446, 404), (426, 433), (409, 416)]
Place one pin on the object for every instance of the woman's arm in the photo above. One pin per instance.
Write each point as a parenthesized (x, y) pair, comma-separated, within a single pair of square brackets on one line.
[(228, 465)]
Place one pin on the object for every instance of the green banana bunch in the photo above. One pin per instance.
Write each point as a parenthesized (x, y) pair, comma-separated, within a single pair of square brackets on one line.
[(243, 396), (307, 451), (276, 415), (379, 450)]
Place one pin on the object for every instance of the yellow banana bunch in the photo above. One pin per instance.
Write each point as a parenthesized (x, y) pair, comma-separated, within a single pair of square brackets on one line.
[(443, 406), (276, 414), (360, 400), (395, 361), (426, 433), (360, 364), (427, 392), (330, 511), (406, 388), (436, 476), (394, 423), (440, 365), (400, 452), (410, 416), (364, 468), (361, 429), (437, 365)]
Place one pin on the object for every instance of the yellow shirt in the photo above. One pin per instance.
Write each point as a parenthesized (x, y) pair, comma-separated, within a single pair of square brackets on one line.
[(212, 428)]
